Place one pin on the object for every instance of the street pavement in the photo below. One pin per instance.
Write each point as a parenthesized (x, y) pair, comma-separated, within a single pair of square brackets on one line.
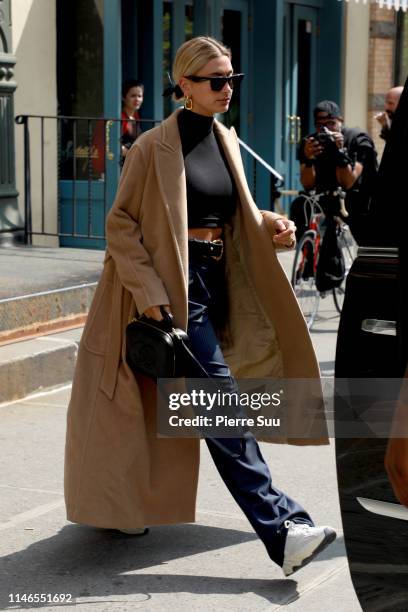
[(215, 564)]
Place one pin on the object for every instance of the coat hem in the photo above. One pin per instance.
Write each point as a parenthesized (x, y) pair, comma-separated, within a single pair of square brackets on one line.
[(110, 524)]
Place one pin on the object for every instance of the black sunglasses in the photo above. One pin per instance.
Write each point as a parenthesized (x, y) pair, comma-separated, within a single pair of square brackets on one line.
[(218, 82)]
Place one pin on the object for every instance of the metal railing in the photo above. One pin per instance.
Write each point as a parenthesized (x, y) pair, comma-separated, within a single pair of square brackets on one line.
[(71, 171), (263, 179)]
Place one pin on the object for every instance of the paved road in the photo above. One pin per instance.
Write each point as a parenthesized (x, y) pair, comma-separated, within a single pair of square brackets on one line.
[(215, 564)]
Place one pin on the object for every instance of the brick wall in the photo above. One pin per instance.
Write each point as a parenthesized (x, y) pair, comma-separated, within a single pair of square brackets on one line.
[(380, 65)]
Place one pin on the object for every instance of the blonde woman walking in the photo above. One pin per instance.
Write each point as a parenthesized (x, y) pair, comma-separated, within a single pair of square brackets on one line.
[(184, 234)]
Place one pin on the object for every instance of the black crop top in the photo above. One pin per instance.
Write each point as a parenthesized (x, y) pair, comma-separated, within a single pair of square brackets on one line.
[(211, 192)]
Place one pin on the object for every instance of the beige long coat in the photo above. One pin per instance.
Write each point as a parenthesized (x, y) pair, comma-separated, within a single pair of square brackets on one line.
[(118, 474)]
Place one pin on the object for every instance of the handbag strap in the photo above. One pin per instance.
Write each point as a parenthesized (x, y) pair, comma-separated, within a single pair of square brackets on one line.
[(167, 321), (191, 359)]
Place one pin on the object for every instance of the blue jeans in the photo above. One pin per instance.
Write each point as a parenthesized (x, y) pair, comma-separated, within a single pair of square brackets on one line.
[(239, 460)]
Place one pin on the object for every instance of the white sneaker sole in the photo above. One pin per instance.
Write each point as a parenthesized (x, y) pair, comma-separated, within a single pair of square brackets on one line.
[(134, 532), (330, 536)]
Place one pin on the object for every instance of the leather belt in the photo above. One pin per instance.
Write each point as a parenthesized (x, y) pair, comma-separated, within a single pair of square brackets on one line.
[(206, 249)]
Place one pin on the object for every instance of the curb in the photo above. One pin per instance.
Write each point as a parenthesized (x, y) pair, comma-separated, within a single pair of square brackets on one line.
[(40, 312), (30, 366)]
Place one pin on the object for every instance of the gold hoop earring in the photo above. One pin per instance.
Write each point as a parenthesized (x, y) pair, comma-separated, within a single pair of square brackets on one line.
[(188, 103)]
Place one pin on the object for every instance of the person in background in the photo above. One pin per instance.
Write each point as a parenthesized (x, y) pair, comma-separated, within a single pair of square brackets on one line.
[(132, 100), (385, 118), (336, 157)]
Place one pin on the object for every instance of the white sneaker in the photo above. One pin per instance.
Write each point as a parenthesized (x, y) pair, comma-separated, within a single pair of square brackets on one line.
[(302, 545), (137, 531)]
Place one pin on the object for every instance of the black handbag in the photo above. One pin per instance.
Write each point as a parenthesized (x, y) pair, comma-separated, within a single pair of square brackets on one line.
[(158, 350)]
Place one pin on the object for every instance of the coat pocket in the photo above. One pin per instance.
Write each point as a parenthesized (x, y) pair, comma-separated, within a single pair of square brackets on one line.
[(96, 332)]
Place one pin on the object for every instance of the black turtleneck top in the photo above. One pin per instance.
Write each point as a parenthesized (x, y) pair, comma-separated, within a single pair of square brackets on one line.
[(211, 192)]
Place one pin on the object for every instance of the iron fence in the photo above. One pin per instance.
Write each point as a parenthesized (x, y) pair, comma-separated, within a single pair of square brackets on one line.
[(71, 170)]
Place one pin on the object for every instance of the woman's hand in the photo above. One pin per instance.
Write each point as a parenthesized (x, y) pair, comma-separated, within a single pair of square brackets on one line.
[(282, 230), (154, 312), (285, 233)]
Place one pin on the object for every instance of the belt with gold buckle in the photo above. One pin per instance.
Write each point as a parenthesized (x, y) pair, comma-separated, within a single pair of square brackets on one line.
[(208, 249)]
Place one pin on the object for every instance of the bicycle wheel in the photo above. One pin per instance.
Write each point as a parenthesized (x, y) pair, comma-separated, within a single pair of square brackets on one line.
[(349, 249), (304, 278)]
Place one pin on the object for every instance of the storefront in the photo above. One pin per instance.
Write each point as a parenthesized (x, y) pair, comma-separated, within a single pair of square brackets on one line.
[(289, 51)]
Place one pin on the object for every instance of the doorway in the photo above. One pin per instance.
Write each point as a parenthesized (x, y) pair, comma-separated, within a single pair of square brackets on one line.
[(88, 141)]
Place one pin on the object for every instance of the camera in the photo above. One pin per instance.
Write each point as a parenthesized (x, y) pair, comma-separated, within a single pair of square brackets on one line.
[(324, 138)]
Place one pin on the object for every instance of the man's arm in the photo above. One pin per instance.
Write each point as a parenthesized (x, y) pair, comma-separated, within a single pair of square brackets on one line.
[(307, 176), (347, 175), (312, 148)]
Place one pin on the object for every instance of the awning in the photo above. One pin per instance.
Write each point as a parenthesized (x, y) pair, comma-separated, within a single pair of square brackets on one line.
[(395, 4)]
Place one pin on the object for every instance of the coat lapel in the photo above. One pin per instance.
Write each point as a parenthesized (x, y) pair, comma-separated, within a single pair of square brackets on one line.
[(171, 177)]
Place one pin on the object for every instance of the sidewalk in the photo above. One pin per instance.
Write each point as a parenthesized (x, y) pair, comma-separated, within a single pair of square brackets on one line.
[(215, 564), (25, 270)]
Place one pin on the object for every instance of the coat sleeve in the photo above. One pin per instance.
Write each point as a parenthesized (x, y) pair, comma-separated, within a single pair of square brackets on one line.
[(124, 237)]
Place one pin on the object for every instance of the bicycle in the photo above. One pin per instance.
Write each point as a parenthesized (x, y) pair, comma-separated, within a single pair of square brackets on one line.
[(307, 257)]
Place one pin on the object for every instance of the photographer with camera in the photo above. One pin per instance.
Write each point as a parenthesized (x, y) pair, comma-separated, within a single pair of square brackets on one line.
[(332, 159)]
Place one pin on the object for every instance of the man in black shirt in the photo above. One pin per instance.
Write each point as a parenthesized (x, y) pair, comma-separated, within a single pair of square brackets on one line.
[(336, 157)]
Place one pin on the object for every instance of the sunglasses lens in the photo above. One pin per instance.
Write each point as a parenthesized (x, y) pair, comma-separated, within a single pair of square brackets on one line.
[(217, 83)]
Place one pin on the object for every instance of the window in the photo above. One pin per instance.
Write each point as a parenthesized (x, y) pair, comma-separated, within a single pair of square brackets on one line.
[(401, 50), (80, 57), (169, 26), (80, 88)]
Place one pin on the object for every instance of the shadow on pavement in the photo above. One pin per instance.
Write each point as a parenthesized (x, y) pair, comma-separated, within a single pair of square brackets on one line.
[(92, 563)]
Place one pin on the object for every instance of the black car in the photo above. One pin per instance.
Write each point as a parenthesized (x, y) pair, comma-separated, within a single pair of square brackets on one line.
[(371, 359)]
